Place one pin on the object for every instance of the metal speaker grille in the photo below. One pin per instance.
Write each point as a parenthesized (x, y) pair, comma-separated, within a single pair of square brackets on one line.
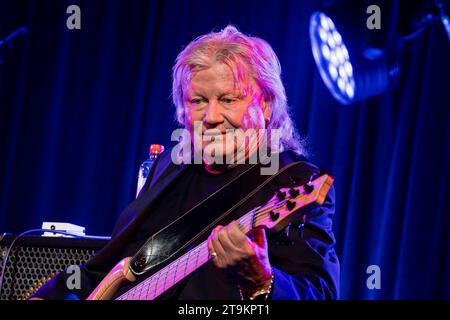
[(29, 267)]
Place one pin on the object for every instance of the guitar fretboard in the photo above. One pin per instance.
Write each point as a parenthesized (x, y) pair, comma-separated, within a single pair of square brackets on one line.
[(167, 277)]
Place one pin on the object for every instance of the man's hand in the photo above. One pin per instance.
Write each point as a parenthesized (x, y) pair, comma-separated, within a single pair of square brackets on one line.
[(247, 259)]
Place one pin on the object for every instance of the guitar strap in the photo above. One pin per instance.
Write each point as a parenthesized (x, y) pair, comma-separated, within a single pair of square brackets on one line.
[(186, 229)]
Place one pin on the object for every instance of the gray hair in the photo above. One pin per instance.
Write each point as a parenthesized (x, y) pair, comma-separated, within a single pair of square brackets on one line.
[(244, 55)]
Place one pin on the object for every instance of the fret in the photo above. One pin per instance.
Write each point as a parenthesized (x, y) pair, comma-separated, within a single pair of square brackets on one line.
[(175, 270), (203, 253), (133, 292), (153, 284), (179, 272), (193, 260), (142, 292), (165, 274), (149, 285), (161, 284), (187, 270), (143, 289), (195, 264), (169, 278), (186, 261), (197, 255), (158, 289), (139, 290), (146, 287)]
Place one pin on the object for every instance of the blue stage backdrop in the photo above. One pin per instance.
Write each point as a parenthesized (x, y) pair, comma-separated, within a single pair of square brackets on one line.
[(78, 109)]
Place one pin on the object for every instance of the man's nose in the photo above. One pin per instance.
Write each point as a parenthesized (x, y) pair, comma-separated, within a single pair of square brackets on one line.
[(213, 114)]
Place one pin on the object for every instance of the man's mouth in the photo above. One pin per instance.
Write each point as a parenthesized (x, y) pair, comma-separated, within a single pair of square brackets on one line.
[(213, 132)]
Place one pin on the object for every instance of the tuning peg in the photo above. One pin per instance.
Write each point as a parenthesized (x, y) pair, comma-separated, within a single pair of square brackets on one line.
[(274, 215), (293, 192), (308, 188), (281, 195), (290, 204)]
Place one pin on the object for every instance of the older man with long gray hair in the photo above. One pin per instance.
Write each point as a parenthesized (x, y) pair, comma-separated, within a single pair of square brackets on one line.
[(225, 85)]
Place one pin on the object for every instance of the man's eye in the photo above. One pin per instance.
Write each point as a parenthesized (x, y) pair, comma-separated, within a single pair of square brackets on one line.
[(227, 100), (196, 101)]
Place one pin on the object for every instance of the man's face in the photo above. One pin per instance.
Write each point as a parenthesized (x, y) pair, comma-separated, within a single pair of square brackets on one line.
[(215, 100)]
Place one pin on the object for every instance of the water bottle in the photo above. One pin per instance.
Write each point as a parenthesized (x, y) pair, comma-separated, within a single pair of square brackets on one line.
[(154, 151)]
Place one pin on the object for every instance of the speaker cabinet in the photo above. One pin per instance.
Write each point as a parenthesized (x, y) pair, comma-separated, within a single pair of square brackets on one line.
[(34, 260)]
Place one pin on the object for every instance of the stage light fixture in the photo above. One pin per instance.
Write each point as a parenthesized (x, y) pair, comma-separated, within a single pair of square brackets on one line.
[(351, 69), (356, 62)]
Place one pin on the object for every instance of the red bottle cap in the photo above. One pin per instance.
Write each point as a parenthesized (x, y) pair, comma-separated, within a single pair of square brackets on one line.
[(156, 149)]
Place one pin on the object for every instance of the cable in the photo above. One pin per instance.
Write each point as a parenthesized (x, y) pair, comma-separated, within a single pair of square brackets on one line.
[(436, 13), (424, 23), (5, 259)]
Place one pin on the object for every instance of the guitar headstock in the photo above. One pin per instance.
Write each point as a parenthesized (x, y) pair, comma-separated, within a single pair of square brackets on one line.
[(281, 209)]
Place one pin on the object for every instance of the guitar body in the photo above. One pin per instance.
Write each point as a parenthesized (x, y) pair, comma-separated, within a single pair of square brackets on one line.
[(119, 276)]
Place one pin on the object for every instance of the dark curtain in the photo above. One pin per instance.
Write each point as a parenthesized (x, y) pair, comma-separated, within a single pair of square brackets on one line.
[(78, 109)]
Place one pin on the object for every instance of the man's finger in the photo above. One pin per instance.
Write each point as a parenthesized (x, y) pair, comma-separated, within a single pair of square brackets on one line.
[(217, 248), (259, 237), (238, 237), (225, 241)]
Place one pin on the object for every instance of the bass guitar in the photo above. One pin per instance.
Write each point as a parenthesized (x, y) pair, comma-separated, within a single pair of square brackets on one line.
[(276, 214)]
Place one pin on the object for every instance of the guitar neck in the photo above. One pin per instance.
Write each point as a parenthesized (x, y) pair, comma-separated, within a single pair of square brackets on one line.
[(167, 277)]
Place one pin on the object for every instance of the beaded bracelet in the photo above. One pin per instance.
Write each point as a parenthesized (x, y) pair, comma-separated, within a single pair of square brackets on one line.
[(259, 293)]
